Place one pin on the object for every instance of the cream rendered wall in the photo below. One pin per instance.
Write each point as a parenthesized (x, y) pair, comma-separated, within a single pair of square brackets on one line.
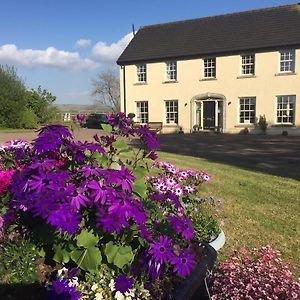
[(265, 86)]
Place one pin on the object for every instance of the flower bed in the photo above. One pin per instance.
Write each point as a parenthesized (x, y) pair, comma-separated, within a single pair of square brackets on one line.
[(97, 225)]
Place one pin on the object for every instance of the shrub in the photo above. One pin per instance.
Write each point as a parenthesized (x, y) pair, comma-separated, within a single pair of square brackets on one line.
[(262, 123), (28, 119), (261, 274)]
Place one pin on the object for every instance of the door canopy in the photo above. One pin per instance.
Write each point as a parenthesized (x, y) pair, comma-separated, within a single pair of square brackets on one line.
[(205, 96)]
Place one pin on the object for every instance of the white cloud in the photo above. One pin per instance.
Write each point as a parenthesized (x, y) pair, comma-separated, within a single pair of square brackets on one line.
[(49, 57), (108, 53), (82, 43)]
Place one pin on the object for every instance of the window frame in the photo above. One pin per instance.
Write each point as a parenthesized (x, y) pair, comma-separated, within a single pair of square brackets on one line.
[(141, 73), (246, 111), (173, 114), (210, 69), (248, 65), (142, 115), (171, 70), (285, 109), (289, 61)]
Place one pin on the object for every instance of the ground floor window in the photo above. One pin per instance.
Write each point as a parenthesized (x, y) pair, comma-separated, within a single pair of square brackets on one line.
[(286, 109), (142, 111), (172, 112), (247, 110)]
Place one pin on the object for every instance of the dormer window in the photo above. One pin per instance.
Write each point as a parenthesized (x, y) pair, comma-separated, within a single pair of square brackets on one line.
[(287, 61), (141, 73), (171, 71)]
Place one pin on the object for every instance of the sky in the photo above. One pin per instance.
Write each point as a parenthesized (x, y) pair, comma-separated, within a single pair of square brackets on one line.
[(63, 44)]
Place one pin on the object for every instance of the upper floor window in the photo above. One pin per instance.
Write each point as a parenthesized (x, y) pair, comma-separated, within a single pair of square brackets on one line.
[(141, 73), (142, 112), (286, 109), (210, 67), (248, 64), (172, 112), (247, 110), (287, 61), (172, 70)]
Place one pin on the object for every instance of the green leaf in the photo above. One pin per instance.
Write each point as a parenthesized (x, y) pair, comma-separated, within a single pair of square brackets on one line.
[(118, 255), (87, 239), (87, 259), (140, 172), (106, 128), (140, 188), (61, 255), (120, 145), (115, 166), (100, 159)]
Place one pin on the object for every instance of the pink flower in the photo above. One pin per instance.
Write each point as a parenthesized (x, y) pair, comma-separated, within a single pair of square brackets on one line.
[(5, 179)]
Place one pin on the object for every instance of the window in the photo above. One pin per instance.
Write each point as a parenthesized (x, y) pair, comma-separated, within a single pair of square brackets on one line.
[(141, 73), (247, 110), (142, 111), (286, 109), (172, 70), (287, 61), (209, 68), (172, 112), (248, 64)]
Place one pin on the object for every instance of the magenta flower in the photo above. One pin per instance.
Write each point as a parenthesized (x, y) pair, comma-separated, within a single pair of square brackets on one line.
[(183, 226), (161, 251), (5, 179), (123, 284), (80, 118), (184, 263)]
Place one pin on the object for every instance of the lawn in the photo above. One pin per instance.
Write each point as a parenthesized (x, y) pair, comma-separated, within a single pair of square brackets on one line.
[(259, 209)]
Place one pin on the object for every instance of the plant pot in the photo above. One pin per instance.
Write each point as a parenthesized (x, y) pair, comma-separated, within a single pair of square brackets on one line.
[(194, 287), (218, 242)]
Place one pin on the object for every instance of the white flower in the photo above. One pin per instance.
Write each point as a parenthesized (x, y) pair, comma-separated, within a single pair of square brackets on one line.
[(73, 282), (94, 287), (119, 296), (99, 296), (112, 285), (62, 273)]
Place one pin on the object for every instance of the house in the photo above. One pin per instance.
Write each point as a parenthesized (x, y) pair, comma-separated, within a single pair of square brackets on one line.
[(216, 73)]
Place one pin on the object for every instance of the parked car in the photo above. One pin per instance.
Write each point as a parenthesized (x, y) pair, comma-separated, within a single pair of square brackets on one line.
[(95, 121)]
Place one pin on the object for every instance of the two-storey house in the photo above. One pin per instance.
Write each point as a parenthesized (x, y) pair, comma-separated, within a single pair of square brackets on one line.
[(220, 72)]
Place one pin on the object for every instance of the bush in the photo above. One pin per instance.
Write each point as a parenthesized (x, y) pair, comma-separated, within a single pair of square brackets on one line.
[(29, 119), (260, 274), (262, 123)]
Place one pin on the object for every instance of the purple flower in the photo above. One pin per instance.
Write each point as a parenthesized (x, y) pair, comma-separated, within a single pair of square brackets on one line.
[(184, 263), (149, 138), (63, 218), (99, 191), (161, 251), (182, 226), (80, 118), (78, 199), (123, 284), (60, 290)]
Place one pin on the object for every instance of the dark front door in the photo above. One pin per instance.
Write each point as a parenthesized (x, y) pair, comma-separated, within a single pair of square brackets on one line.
[(209, 114)]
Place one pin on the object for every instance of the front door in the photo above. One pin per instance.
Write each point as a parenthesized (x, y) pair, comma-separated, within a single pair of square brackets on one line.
[(209, 114)]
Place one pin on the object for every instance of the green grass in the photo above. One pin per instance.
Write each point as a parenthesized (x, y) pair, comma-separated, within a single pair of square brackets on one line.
[(14, 130), (259, 209)]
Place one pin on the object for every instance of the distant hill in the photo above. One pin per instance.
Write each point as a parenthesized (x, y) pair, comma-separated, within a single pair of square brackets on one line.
[(82, 108)]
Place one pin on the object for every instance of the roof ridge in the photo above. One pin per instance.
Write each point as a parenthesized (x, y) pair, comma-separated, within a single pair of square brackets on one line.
[(222, 15)]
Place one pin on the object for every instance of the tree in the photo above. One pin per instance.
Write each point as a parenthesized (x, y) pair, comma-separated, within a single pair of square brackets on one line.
[(40, 102), (106, 89), (12, 98)]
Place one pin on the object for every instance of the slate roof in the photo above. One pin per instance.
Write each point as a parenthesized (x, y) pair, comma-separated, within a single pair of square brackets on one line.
[(262, 29)]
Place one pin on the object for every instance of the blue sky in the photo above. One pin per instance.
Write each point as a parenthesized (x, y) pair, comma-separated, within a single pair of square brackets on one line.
[(63, 44)]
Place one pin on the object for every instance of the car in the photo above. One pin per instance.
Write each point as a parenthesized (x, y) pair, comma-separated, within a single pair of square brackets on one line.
[(95, 121)]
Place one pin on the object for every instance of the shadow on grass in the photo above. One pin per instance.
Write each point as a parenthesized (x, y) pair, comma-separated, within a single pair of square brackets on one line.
[(32, 291), (276, 155)]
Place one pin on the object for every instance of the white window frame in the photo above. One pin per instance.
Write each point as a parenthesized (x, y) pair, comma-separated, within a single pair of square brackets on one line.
[(283, 110), (171, 70), (141, 73), (171, 112), (287, 59), (209, 67), (142, 111), (247, 64), (247, 110)]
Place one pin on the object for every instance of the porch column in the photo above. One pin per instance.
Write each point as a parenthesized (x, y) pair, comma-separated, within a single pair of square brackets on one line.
[(216, 113), (201, 121)]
